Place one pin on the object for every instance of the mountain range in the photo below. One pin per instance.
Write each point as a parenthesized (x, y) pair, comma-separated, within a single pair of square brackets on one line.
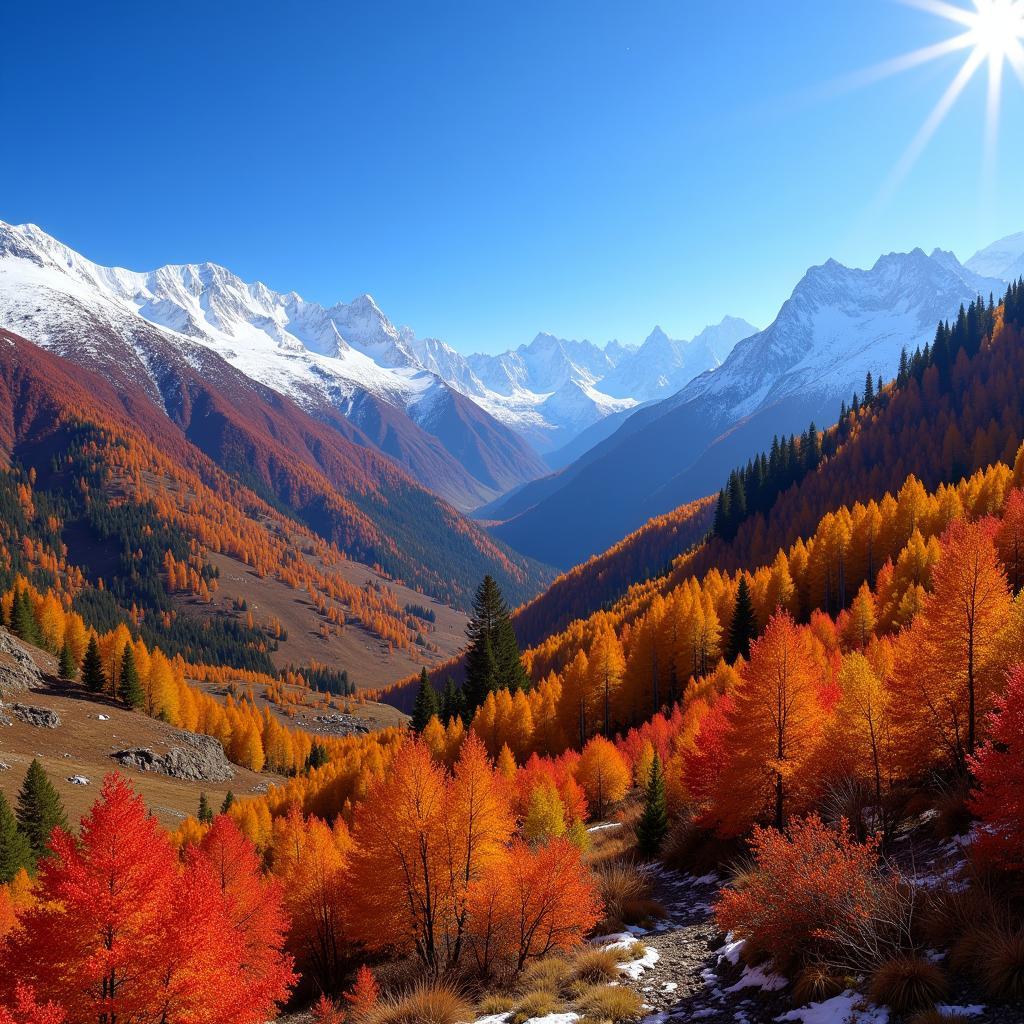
[(469, 428), (838, 325)]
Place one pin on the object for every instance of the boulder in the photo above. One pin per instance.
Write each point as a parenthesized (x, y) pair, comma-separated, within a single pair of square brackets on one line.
[(43, 718), (18, 672), (192, 757)]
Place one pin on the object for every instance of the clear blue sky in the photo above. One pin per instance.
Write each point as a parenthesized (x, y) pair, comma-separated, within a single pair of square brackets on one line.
[(487, 170)]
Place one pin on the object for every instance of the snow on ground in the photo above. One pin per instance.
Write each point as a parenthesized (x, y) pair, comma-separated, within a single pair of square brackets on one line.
[(838, 1010)]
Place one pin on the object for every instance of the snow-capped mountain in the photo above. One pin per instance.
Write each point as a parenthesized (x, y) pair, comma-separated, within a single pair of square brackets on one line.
[(1003, 259), (348, 358), (445, 416), (838, 324)]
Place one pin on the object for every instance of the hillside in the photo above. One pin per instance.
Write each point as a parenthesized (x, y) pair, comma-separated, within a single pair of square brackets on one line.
[(838, 325)]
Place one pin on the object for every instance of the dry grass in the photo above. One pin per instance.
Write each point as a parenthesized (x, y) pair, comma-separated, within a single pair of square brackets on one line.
[(948, 914), (426, 1003), (907, 983), (1002, 969), (495, 1003), (952, 818), (626, 893), (934, 1017), (535, 1004), (816, 983), (595, 965), (613, 1004), (550, 974)]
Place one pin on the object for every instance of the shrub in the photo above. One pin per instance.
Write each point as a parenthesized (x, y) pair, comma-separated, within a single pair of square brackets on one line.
[(907, 983), (593, 965), (605, 1002), (1003, 965), (816, 983), (535, 1004), (550, 974), (809, 897), (495, 1003), (426, 1003)]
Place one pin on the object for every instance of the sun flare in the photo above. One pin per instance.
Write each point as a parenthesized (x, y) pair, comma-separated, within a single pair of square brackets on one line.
[(991, 33)]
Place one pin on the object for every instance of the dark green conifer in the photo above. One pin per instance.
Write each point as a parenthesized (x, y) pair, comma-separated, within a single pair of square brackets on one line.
[(743, 626), (205, 814), (129, 687), (92, 667), (67, 669), (492, 660), (652, 827), (229, 799), (39, 810), (15, 849), (453, 704), (23, 620), (426, 705)]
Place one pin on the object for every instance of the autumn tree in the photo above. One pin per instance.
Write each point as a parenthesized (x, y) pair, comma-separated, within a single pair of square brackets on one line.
[(364, 995), (529, 903), (998, 769), (603, 773), (774, 726), (39, 810), (949, 663), (25, 1010)]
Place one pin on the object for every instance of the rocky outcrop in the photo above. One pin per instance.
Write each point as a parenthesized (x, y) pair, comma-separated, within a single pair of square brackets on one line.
[(42, 718), (193, 757), (18, 672)]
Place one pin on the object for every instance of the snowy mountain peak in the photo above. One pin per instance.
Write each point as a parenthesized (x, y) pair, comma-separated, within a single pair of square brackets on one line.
[(1003, 259)]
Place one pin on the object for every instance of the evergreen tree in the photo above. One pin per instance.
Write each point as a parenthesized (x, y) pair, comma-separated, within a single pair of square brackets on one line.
[(229, 798), (743, 627), (205, 814), (67, 669), (23, 620), (453, 703), (92, 667), (316, 758), (39, 810), (15, 850), (869, 389), (426, 705), (130, 685), (492, 661), (652, 827)]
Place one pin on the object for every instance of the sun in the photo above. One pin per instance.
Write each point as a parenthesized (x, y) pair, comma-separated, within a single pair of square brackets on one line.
[(998, 28), (991, 34)]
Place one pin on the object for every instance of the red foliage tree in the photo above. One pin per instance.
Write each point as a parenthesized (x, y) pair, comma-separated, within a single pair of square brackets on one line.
[(25, 1010)]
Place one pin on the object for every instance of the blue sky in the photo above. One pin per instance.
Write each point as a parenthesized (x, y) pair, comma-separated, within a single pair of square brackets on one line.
[(487, 170)]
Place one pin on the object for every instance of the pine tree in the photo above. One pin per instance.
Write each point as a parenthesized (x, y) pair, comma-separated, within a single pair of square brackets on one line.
[(743, 627), (67, 669), (453, 703), (130, 686), (39, 810), (492, 661), (229, 799), (652, 827), (23, 621), (205, 814), (15, 850), (426, 704), (316, 758), (92, 667)]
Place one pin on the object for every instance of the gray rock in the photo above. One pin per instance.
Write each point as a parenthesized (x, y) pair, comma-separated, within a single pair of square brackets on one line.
[(197, 759), (18, 672), (43, 718)]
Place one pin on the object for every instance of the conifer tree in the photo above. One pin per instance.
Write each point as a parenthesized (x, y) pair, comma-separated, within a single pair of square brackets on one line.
[(229, 799), (492, 661), (67, 669), (205, 814), (15, 851), (316, 758), (92, 667), (652, 827), (743, 627), (130, 685), (426, 704), (453, 702), (39, 810), (23, 621)]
